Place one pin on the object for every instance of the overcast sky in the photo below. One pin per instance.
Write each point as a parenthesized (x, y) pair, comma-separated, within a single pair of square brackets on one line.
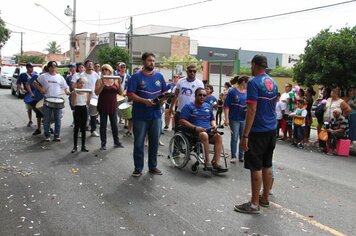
[(286, 34)]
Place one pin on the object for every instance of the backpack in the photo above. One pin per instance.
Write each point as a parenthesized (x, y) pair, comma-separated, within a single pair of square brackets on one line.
[(319, 111)]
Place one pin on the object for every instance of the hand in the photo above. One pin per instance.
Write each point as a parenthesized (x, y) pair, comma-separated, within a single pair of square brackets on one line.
[(244, 144), (149, 102)]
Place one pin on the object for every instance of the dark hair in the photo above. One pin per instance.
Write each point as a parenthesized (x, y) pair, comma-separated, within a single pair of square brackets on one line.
[(210, 86), (278, 94), (227, 84), (146, 55), (51, 63), (197, 90), (242, 78), (301, 101), (79, 64), (191, 66), (87, 61), (45, 68), (301, 92), (311, 91)]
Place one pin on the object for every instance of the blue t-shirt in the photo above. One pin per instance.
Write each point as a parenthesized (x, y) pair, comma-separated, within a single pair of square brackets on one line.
[(24, 78), (149, 87), (37, 94), (170, 86), (200, 116), (211, 100), (262, 90), (236, 102)]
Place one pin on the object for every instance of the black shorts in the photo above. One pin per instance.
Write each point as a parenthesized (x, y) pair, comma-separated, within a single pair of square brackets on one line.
[(260, 150)]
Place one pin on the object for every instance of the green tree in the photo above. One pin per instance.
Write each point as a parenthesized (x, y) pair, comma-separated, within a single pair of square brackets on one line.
[(112, 55), (277, 62), (281, 71), (329, 59), (53, 48), (4, 33), (32, 59), (185, 61)]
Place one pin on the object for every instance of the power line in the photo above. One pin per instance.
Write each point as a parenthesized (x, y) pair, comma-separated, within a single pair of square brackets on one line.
[(151, 12), (248, 19), (100, 24), (31, 30)]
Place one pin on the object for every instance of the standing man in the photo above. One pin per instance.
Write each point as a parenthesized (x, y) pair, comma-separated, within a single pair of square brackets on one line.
[(91, 78), (143, 87), (51, 84), (259, 135), (21, 85), (184, 92)]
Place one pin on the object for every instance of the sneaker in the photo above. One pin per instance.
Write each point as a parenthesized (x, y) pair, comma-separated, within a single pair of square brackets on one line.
[(263, 203), (37, 131), (136, 173), (47, 140), (94, 134), (118, 145), (165, 127), (103, 148), (247, 208), (233, 160), (74, 150), (155, 171), (300, 145), (161, 143), (241, 159), (29, 124), (57, 139), (208, 166), (84, 149), (128, 134), (219, 169)]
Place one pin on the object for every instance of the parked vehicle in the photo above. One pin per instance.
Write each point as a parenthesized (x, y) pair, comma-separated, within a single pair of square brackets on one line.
[(6, 76)]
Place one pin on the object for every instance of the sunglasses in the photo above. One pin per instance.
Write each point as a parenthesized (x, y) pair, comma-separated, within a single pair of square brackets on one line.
[(201, 95), (104, 69), (192, 71)]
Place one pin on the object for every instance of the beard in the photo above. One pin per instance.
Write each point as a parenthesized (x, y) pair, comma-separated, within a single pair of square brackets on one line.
[(149, 68)]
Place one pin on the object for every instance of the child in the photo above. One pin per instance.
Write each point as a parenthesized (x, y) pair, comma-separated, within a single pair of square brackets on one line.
[(299, 116), (280, 109), (210, 99), (219, 110), (80, 100)]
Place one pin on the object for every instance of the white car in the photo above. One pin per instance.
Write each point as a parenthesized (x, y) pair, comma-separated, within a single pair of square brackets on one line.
[(6, 76)]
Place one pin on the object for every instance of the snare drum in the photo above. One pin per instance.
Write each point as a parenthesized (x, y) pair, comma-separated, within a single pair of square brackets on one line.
[(125, 111), (54, 102), (93, 111)]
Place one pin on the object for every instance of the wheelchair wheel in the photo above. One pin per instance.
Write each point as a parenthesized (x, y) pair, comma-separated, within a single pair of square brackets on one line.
[(179, 150), (195, 167)]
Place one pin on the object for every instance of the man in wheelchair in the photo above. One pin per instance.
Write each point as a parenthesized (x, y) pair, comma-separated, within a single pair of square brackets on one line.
[(197, 119)]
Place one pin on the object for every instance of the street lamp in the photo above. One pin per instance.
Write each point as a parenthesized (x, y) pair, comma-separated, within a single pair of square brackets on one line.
[(68, 12)]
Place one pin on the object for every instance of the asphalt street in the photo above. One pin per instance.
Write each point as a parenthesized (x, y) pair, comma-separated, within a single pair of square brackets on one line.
[(46, 190)]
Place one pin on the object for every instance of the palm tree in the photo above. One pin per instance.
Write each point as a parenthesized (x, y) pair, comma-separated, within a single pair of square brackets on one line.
[(53, 48)]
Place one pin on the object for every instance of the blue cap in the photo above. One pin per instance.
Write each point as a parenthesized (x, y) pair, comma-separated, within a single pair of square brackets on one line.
[(29, 65)]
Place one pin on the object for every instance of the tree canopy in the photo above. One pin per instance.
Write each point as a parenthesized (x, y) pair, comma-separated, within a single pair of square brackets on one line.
[(32, 59), (112, 55), (53, 48), (4, 33), (329, 59)]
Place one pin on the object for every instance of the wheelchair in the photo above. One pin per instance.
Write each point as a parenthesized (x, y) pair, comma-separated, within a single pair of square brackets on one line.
[(184, 145)]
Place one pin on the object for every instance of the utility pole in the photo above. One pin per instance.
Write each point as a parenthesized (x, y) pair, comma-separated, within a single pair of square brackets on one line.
[(130, 42), (73, 31), (21, 49)]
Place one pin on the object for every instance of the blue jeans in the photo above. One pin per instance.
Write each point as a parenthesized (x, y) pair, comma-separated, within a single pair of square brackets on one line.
[(236, 132), (114, 127), (153, 130), (47, 115)]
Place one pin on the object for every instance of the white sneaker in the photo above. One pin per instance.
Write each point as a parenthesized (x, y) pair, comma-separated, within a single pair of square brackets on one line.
[(161, 143), (233, 160), (94, 134)]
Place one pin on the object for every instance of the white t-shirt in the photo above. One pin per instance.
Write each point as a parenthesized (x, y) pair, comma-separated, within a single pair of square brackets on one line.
[(186, 91), (90, 82), (53, 84), (280, 106), (76, 76), (284, 98)]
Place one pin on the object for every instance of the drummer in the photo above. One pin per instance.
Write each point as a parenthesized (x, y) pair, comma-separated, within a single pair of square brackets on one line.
[(51, 84), (121, 71)]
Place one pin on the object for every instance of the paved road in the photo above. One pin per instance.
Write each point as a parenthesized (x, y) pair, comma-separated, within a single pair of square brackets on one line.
[(45, 190)]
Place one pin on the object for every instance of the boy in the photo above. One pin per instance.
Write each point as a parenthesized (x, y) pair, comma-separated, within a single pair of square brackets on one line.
[(299, 123)]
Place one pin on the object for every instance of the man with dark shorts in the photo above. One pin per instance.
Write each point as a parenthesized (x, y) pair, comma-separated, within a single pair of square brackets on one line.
[(259, 135)]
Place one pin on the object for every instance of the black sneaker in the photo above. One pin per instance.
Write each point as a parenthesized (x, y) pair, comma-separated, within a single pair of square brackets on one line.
[(118, 145), (37, 131), (155, 171), (165, 127), (247, 208), (74, 150), (136, 173), (84, 149), (103, 148), (29, 124)]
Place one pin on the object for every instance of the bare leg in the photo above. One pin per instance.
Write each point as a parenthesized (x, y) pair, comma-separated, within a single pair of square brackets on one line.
[(204, 139), (256, 181), (267, 182), (217, 141)]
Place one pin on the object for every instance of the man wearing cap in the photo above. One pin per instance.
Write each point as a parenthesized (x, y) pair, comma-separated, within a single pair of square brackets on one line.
[(259, 135), (51, 84), (21, 85)]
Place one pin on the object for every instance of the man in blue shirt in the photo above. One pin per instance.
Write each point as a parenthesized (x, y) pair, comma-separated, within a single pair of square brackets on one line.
[(259, 135), (143, 88), (198, 117)]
